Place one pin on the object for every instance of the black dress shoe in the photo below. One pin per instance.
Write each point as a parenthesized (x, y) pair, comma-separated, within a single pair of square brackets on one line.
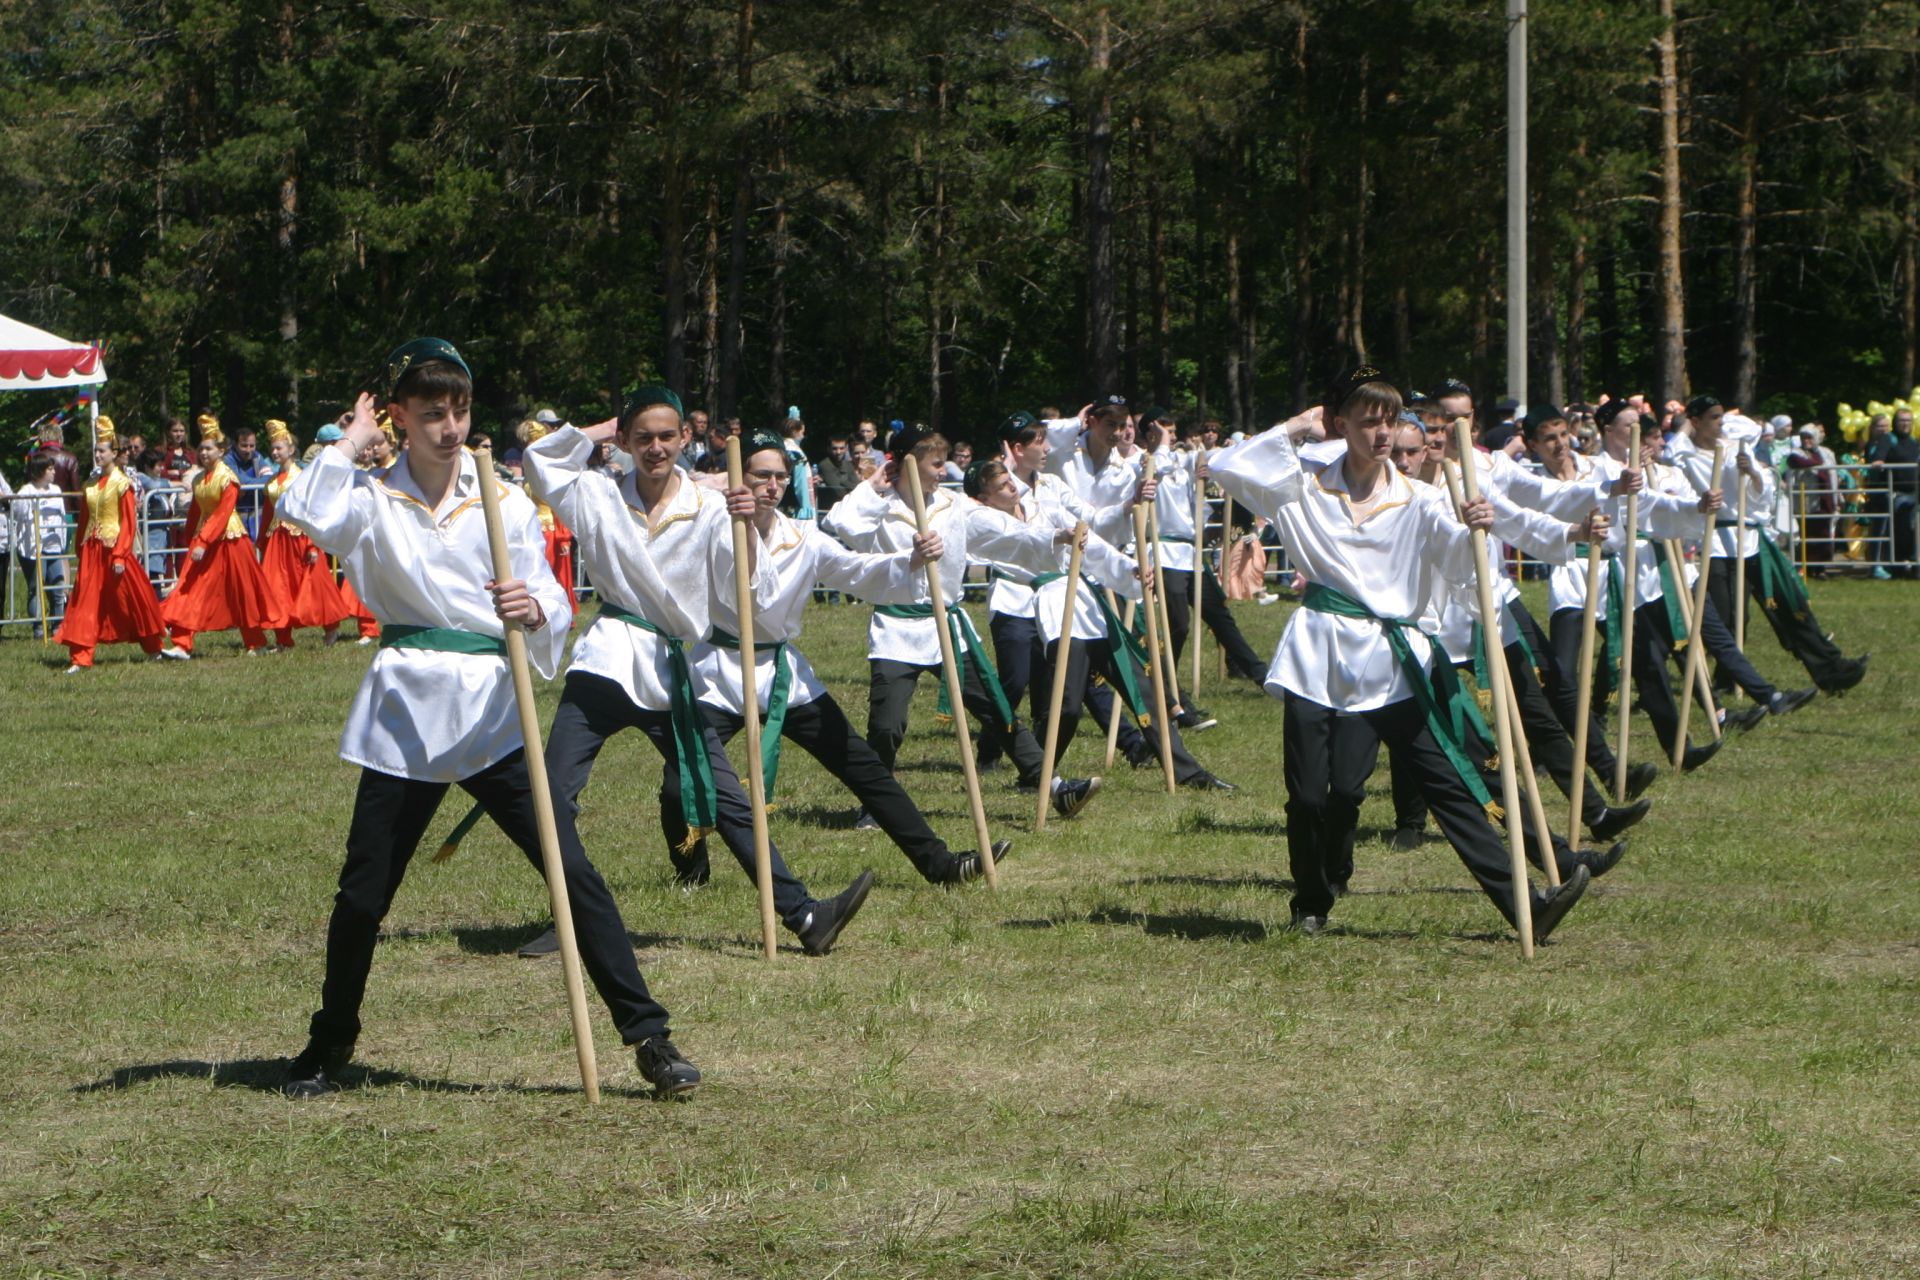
[(1786, 701), (544, 945), (1639, 778), (1741, 721), (968, 868), (821, 929), (1303, 923), (1853, 675), (1551, 908), (1694, 757), (661, 1062), (691, 870), (1204, 781), (315, 1072), (1142, 757), (1600, 861), (1613, 821), (1406, 839)]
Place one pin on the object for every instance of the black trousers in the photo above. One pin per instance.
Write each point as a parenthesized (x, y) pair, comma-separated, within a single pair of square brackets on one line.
[(1103, 706), (593, 709), (1241, 659), (1559, 657), (1329, 755), (1084, 659), (1016, 652), (390, 816), (823, 731), (890, 696), (1799, 634)]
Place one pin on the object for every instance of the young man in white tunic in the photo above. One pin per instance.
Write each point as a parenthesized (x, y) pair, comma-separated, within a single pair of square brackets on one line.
[(792, 556), (655, 546), (1351, 668), (902, 644), (436, 707)]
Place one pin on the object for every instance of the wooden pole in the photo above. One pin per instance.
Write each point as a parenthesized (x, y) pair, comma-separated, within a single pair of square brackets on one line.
[(1702, 685), (1061, 654), (1156, 665), (1740, 563), (1583, 704), (1463, 476), (1530, 785), (1166, 621), (1226, 551), (949, 661), (537, 777), (750, 707), (1699, 611), (1630, 584), (1118, 704), (1194, 628)]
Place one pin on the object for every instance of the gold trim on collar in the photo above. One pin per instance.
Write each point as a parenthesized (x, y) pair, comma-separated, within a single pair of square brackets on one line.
[(1347, 498)]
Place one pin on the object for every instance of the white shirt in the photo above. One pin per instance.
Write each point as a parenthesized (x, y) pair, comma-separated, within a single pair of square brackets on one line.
[(1099, 487), (1051, 503), (45, 508), (666, 574), (871, 521), (1393, 562), (420, 713), (796, 556), (1173, 503), (1009, 545), (1729, 540)]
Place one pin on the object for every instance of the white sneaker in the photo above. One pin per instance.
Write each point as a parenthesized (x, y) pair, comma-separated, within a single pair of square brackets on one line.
[(364, 641), (1265, 597), (74, 670), (172, 653)]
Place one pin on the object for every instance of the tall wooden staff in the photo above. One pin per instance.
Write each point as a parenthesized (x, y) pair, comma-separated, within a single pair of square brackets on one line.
[(1060, 656), (750, 705), (1630, 585), (550, 862), (1583, 706), (1702, 685), (1160, 607), (1699, 611), (1502, 721), (1194, 630), (1156, 665), (1226, 548), (1740, 562), (950, 665), (1119, 703)]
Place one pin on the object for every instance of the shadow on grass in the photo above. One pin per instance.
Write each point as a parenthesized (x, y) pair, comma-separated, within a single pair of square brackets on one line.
[(1271, 884), (1189, 926), (505, 939), (264, 1075)]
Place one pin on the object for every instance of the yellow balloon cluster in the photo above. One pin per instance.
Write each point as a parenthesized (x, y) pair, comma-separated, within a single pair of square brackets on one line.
[(1854, 422)]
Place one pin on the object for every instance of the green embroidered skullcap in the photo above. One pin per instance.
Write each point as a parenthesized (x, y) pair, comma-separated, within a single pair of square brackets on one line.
[(417, 352), (648, 396), (760, 438)]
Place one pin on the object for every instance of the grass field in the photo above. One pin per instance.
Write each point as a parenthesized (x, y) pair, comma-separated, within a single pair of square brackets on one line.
[(1119, 1065)]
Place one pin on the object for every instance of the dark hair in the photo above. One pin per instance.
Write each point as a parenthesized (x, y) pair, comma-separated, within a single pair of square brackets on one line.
[(37, 466), (434, 380), (1452, 387), (151, 459), (981, 474), (1379, 396), (1024, 435)]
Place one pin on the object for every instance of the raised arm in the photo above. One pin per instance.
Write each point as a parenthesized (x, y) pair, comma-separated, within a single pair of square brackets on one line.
[(1262, 473)]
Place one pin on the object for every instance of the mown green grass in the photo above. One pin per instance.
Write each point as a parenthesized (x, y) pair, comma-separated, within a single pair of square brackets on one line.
[(1119, 1065)]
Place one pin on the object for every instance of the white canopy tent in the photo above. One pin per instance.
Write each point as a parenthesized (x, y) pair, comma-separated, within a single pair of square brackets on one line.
[(33, 359)]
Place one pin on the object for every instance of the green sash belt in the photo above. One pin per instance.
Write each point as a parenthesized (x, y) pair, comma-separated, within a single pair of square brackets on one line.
[(699, 803), (1129, 651), (1606, 673), (1427, 690), (777, 698), (1780, 582), (1671, 584), (967, 645), (1480, 672), (441, 640)]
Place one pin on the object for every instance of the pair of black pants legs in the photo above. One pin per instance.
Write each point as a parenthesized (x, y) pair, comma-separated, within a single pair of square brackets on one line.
[(390, 815), (1329, 756), (1549, 741), (1559, 659), (1799, 634), (1241, 658), (593, 709), (823, 731), (1016, 652), (1086, 657), (890, 695)]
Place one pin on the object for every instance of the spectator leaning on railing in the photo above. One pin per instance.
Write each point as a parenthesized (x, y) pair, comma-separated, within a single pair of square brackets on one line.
[(1896, 456)]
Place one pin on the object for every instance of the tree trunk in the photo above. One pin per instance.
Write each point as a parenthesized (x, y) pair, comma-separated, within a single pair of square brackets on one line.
[(777, 319), (1130, 326), (1236, 306), (732, 326), (1577, 318), (710, 305), (1304, 373), (1402, 329), (1355, 288), (1103, 321), (673, 220), (1909, 294), (1543, 321), (1200, 340), (1610, 323), (286, 221), (1480, 354), (1671, 343), (1746, 224), (1157, 283)]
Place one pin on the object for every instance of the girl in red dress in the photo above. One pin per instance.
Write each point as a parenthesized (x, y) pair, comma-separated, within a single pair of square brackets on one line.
[(112, 603), (220, 584), (559, 537), (298, 577)]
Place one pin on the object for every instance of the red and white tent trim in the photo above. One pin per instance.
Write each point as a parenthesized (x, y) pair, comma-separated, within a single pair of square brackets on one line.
[(32, 358)]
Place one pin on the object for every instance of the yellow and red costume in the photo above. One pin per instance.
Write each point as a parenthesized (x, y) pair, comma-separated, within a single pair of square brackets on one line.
[(299, 579), (109, 607), (223, 590)]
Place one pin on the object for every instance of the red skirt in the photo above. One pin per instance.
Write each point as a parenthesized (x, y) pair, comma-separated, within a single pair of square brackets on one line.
[(303, 593), (560, 557), (108, 608), (357, 609), (223, 592)]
